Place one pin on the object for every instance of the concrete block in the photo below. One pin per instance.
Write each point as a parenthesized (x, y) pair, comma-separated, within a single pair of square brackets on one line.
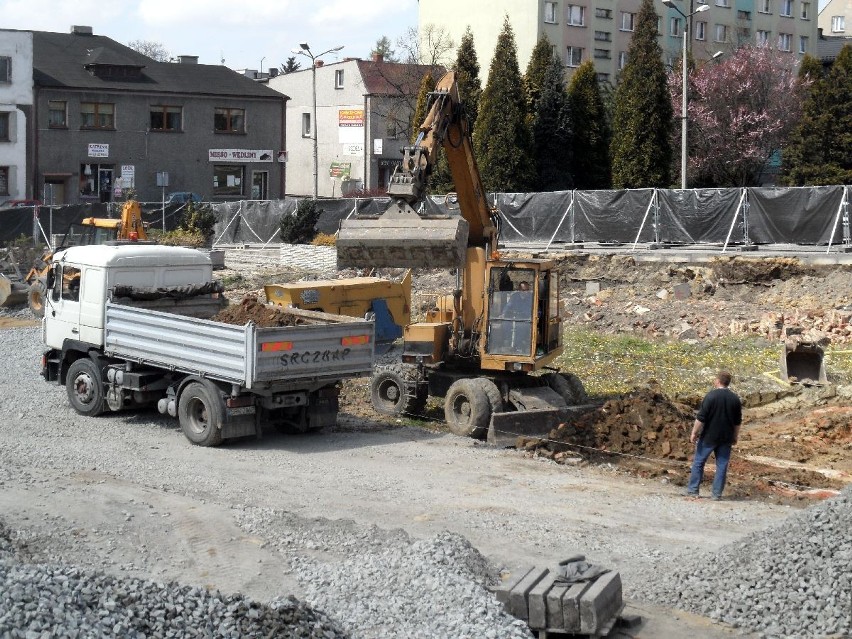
[(600, 603), (501, 591), (593, 288), (571, 606), (682, 291), (537, 602), (518, 606), (554, 606)]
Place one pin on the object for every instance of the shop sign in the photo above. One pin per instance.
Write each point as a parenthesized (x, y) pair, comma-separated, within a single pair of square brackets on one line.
[(239, 155), (340, 170), (99, 150)]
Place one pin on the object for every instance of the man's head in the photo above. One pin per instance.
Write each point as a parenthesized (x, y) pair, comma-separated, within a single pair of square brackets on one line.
[(723, 378), (524, 286)]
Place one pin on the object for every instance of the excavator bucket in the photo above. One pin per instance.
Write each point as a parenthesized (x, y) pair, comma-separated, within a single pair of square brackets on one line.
[(12, 293), (803, 362), (405, 241)]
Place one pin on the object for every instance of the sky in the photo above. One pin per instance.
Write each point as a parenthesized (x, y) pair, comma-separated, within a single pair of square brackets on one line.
[(247, 34)]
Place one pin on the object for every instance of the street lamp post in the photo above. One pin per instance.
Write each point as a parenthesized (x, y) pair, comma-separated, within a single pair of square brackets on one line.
[(684, 87), (305, 50)]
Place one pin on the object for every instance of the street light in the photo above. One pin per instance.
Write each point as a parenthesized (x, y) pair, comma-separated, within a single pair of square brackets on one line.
[(684, 88), (305, 50)]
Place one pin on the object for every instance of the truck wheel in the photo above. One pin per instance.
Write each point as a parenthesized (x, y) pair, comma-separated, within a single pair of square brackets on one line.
[(569, 387), (467, 409), (495, 399), (85, 387), (200, 415), (387, 392), (35, 297)]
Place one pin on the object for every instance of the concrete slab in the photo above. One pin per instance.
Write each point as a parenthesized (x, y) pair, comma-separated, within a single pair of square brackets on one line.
[(519, 595), (571, 606), (501, 591), (553, 601), (537, 602), (600, 603)]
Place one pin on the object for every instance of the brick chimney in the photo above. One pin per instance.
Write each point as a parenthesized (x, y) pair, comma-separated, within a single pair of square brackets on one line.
[(378, 57), (319, 63)]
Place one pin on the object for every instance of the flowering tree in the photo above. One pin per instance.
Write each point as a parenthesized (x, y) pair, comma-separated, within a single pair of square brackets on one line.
[(741, 111)]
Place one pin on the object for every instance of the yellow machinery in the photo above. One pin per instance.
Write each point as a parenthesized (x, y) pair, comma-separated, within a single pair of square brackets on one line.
[(92, 230), (387, 302), (479, 348)]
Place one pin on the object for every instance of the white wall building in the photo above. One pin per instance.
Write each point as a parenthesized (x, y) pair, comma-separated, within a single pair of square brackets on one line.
[(16, 112), (835, 19), (363, 114)]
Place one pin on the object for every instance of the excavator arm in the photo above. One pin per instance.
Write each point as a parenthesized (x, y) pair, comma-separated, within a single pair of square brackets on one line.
[(406, 235)]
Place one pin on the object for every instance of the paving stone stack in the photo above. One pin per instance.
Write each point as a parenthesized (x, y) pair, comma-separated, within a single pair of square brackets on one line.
[(790, 580)]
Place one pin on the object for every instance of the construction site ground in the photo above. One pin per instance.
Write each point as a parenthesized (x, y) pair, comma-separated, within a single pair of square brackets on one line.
[(645, 336)]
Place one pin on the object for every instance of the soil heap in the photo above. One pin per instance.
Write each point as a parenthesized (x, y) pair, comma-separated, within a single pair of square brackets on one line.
[(250, 309)]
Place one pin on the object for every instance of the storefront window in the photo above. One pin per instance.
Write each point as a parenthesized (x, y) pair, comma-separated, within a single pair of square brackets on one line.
[(228, 179)]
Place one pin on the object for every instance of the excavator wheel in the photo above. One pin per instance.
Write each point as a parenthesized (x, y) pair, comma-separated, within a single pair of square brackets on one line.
[(492, 392), (388, 394), (467, 409), (35, 297), (569, 387)]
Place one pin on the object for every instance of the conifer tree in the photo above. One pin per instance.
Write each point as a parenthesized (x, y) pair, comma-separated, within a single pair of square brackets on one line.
[(537, 70), (820, 148), (427, 86), (642, 119), (552, 131), (501, 139), (590, 168)]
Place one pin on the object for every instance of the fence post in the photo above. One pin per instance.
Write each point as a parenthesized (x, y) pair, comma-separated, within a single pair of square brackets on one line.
[(656, 216), (847, 236), (746, 208)]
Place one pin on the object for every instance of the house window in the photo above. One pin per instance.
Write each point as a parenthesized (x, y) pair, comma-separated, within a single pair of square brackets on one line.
[(166, 118), (306, 125), (550, 12), (97, 115), (627, 21), (4, 180), (5, 69), (602, 54), (838, 24), (659, 25), (803, 44), (744, 33), (338, 78), (762, 38), (622, 59), (723, 3), (603, 77), (806, 11), (764, 6), (227, 120), (57, 114), (721, 34), (787, 8), (4, 126), (743, 15), (574, 56), (674, 27), (576, 15), (603, 36), (606, 14), (228, 179), (700, 30), (785, 41)]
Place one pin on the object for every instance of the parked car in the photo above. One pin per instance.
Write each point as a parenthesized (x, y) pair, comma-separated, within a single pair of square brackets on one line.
[(13, 204), (182, 197)]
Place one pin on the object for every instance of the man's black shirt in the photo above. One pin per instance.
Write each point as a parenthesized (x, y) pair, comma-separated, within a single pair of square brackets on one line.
[(720, 412)]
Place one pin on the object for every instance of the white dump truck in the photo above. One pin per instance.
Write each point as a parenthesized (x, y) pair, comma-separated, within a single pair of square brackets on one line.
[(128, 326)]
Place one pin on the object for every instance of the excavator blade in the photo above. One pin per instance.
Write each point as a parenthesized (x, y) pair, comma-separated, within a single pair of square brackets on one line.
[(402, 242)]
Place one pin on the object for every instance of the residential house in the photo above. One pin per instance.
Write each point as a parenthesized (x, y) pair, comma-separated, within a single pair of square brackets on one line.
[(363, 119), (108, 118), (835, 19), (16, 112)]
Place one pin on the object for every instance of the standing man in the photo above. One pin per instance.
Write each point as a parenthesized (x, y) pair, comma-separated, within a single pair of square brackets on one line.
[(716, 430)]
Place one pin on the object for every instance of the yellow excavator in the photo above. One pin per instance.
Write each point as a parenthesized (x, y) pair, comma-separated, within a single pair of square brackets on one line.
[(488, 347), (91, 230)]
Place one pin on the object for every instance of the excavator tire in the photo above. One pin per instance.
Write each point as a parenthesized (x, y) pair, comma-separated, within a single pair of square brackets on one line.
[(492, 392), (35, 297), (388, 394), (569, 387), (467, 409)]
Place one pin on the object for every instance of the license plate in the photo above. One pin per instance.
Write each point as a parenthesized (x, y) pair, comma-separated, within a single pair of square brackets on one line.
[(241, 410)]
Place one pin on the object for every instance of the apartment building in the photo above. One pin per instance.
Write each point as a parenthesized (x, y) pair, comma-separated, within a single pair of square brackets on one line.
[(16, 106), (600, 30)]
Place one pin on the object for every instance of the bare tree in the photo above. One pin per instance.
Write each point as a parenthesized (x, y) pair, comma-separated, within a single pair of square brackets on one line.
[(432, 46), (154, 50)]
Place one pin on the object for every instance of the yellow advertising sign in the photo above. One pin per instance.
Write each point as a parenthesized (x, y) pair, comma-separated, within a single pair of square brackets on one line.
[(350, 117)]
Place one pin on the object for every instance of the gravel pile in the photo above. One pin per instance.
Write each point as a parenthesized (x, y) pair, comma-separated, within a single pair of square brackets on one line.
[(790, 580)]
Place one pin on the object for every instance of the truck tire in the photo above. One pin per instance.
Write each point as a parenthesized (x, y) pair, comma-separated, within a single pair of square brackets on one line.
[(493, 394), (467, 409), (35, 297), (569, 387), (85, 387), (388, 394), (200, 415)]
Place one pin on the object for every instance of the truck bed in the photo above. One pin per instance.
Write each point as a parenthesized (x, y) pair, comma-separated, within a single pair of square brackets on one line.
[(332, 347)]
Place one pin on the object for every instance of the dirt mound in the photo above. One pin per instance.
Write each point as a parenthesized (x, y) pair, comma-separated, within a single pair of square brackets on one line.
[(250, 309), (643, 423), (735, 270)]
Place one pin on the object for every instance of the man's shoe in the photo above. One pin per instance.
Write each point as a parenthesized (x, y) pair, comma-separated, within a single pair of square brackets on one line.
[(716, 498), (686, 493)]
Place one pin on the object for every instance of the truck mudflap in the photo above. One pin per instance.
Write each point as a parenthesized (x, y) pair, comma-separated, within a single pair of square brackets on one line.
[(504, 429)]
